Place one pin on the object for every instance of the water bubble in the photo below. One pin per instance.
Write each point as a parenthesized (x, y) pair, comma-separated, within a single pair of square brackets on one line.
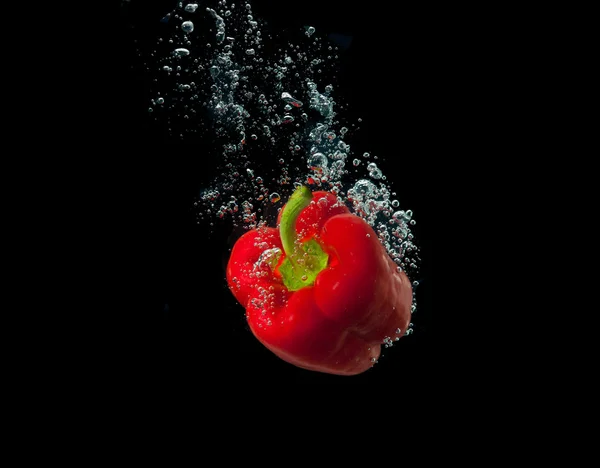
[(287, 97), (187, 26), (181, 52), (317, 161), (366, 155), (287, 119), (376, 173), (191, 7), (160, 100), (356, 162), (274, 197), (250, 52), (310, 31), (395, 203)]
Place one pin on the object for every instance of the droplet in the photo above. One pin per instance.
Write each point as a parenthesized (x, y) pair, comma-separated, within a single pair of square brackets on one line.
[(187, 26)]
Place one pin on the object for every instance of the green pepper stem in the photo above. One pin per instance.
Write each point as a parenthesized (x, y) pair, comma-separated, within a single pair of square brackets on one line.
[(299, 200)]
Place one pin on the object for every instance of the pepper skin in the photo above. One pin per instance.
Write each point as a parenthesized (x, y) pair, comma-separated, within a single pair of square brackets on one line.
[(337, 322)]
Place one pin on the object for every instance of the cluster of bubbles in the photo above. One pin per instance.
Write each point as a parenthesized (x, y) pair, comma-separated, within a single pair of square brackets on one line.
[(258, 98)]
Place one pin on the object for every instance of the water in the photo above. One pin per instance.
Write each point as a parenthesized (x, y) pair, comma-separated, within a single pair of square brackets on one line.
[(277, 119)]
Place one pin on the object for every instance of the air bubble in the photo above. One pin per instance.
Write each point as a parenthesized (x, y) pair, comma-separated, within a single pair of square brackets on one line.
[(274, 197), (187, 26)]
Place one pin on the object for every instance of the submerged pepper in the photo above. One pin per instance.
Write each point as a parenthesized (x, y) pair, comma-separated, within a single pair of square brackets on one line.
[(321, 292)]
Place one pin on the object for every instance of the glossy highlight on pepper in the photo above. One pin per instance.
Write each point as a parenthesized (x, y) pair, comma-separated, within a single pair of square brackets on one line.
[(320, 291)]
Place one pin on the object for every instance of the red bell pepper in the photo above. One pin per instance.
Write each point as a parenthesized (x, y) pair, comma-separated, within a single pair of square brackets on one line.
[(320, 292)]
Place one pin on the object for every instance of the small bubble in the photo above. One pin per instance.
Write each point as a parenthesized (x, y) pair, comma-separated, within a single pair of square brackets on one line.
[(181, 52), (395, 203), (274, 197), (356, 162), (187, 26), (366, 155)]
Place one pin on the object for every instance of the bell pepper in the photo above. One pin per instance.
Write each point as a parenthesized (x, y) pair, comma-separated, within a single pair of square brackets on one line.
[(321, 291)]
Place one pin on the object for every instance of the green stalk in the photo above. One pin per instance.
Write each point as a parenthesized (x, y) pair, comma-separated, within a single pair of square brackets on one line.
[(299, 200), (295, 275)]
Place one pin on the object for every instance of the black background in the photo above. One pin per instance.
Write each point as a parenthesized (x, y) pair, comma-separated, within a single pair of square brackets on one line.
[(173, 315)]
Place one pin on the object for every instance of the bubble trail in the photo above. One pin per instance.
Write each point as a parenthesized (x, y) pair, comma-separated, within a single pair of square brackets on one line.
[(262, 99)]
